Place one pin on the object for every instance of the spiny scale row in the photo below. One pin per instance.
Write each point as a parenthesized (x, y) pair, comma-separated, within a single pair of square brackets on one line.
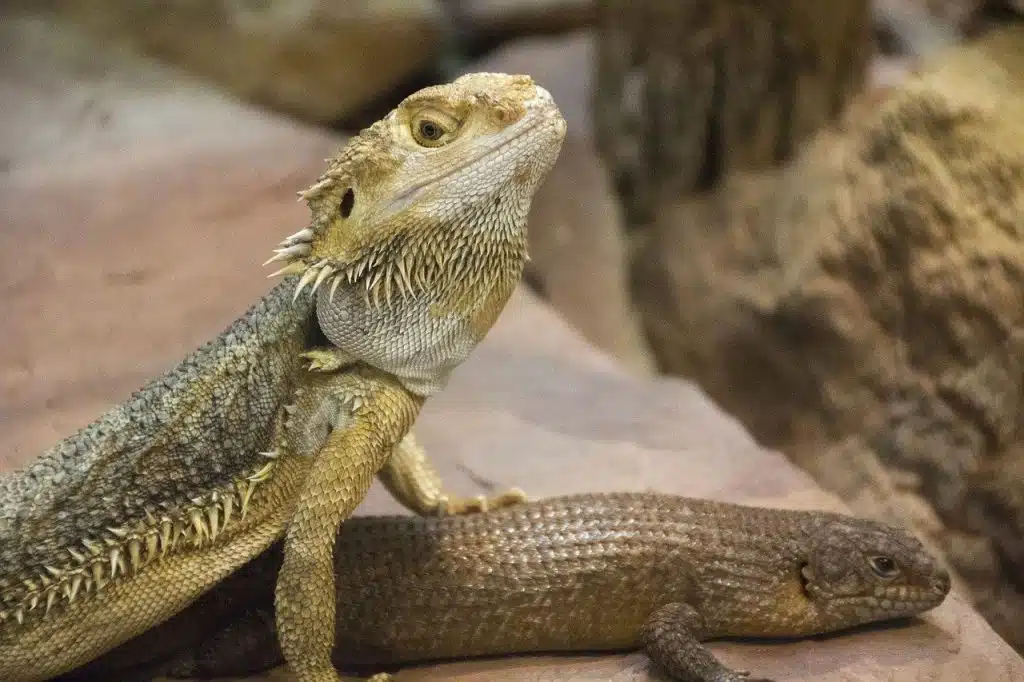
[(353, 402), (380, 274), (125, 551)]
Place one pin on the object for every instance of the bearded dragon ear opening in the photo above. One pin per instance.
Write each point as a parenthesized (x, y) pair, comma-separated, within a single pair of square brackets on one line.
[(348, 202)]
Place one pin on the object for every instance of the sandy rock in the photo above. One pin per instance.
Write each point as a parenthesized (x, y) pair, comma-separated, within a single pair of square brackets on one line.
[(317, 59), (119, 263), (109, 133), (924, 27), (501, 17), (577, 240), (688, 92), (869, 299), (956, 14)]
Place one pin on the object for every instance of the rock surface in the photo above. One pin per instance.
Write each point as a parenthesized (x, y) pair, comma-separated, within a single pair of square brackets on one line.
[(863, 311), (923, 27), (497, 17), (317, 59), (956, 13), (122, 257), (688, 92)]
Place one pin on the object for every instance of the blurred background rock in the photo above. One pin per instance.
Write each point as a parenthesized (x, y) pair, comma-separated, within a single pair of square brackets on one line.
[(814, 210)]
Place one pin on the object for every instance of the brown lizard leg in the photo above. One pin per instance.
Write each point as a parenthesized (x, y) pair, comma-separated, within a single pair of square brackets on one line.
[(670, 637), (370, 412), (245, 646), (412, 479)]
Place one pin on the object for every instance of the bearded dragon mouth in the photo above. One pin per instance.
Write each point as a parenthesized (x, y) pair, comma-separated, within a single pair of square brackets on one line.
[(299, 245), (380, 275), (403, 199)]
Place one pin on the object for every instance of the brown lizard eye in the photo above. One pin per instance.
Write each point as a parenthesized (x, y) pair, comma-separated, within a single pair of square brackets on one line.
[(884, 567)]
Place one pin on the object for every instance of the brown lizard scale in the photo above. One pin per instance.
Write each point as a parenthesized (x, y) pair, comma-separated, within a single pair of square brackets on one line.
[(583, 572)]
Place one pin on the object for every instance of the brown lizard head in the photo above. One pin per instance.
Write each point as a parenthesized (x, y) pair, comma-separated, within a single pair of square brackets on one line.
[(862, 571), (418, 234)]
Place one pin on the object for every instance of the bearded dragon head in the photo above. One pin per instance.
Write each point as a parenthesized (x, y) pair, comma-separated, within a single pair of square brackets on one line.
[(426, 209), (444, 152)]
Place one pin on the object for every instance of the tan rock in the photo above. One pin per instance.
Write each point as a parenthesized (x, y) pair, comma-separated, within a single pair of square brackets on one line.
[(955, 14), (688, 92), (316, 59), (491, 17), (869, 299), (120, 263), (922, 28), (925, 26)]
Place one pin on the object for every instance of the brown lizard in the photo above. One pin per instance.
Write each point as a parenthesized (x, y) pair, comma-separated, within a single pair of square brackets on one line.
[(583, 572), (278, 426)]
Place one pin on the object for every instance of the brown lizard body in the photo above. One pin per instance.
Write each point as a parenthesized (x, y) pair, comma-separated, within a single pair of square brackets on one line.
[(583, 572), (416, 242)]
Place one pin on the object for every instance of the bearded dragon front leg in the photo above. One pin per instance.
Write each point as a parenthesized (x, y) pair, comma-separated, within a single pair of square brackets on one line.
[(411, 478), (418, 240), (349, 423), (328, 359), (409, 475)]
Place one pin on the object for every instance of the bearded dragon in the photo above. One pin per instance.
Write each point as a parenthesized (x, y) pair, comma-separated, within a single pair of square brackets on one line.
[(276, 428), (573, 573)]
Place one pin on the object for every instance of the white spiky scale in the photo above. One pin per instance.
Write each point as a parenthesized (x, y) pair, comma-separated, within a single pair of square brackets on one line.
[(124, 553), (334, 286), (303, 235), (324, 271)]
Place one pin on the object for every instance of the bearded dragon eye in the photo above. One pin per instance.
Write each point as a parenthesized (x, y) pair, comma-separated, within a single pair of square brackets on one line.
[(884, 567), (434, 129), (430, 130)]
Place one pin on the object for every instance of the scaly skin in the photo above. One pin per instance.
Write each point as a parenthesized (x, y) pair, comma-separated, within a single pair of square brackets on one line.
[(638, 569), (277, 427)]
